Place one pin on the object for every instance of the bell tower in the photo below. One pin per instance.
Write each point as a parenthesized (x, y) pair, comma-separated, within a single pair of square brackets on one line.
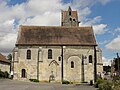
[(69, 18)]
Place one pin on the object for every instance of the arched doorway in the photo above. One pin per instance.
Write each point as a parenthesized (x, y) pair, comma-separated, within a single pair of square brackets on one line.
[(23, 73), (53, 70)]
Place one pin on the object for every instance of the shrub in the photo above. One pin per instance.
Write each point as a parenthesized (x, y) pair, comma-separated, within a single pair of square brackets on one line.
[(98, 82), (116, 85), (109, 84), (106, 85), (4, 74), (116, 78), (1, 74), (65, 82), (34, 80)]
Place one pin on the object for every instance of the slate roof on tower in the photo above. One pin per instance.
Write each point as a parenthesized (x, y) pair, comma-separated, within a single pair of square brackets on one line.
[(55, 35)]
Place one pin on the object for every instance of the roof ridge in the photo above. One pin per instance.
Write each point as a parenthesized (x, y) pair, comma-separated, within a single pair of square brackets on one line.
[(56, 26)]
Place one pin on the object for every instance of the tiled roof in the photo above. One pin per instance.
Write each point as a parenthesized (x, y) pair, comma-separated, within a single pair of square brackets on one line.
[(55, 35), (3, 59)]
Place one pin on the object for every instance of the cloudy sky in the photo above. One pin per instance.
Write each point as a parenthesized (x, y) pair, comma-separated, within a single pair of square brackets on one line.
[(103, 15)]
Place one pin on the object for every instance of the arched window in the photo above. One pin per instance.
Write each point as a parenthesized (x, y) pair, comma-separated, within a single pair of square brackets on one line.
[(70, 19), (49, 54), (90, 58), (23, 73), (74, 20), (70, 13), (72, 64), (28, 54)]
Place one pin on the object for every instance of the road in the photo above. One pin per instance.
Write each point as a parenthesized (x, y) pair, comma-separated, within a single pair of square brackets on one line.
[(6, 84)]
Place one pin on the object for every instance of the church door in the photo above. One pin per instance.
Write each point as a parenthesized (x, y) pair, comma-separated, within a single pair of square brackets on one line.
[(23, 75)]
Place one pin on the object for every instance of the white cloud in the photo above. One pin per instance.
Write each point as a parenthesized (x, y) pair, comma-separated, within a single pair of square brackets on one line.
[(7, 43), (92, 21), (104, 42), (114, 44), (117, 29), (100, 29), (37, 6), (45, 12), (104, 1), (38, 12), (44, 20), (106, 62), (83, 13)]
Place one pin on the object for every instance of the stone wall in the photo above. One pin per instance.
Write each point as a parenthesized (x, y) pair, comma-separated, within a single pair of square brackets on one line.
[(99, 60), (5, 67), (52, 67)]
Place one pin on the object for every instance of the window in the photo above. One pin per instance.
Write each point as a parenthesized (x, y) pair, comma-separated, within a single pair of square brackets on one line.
[(70, 19), (70, 13), (23, 73), (28, 54), (62, 24), (49, 54), (72, 64), (90, 58), (74, 20), (59, 58)]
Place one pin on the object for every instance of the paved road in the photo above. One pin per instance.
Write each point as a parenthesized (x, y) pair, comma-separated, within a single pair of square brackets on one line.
[(6, 84)]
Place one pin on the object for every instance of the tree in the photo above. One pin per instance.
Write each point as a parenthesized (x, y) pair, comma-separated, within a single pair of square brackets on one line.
[(117, 63), (107, 68)]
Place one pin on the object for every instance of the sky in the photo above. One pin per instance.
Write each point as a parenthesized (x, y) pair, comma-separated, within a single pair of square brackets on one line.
[(102, 15)]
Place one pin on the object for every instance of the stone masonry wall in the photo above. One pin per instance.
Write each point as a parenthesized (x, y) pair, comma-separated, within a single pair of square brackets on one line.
[(48, 67)]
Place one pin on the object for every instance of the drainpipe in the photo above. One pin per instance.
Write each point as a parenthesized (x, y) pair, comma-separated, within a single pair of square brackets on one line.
[(62, 64), (38, 65), (12, 65), (83, 79), (95, 64)]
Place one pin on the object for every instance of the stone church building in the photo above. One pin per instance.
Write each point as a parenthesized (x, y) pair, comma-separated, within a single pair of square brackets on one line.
[(57, 53)]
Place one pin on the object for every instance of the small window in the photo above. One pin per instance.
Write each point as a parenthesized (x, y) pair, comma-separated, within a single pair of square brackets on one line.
[(70, 19), (90, 58), (28, 54), (59, 58), (70, 13), (74, 20), (62, 24), (23, 73), (49, 54), (72, 64)]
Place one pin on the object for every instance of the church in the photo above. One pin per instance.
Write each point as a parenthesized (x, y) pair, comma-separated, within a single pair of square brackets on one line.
[(56, 53)]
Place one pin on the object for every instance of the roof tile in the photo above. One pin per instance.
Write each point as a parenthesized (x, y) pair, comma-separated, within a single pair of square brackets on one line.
[(55, 35)]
